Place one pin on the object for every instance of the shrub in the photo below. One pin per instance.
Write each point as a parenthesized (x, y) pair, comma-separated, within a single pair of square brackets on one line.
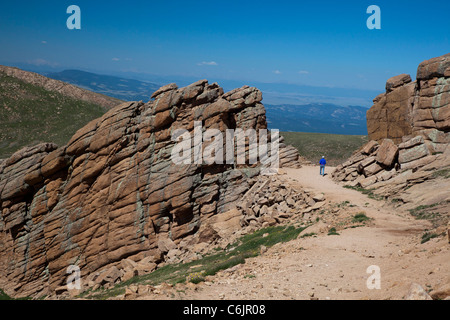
[(195, 277), (308, 235), (333, 232), (360, 217), (427, 236)]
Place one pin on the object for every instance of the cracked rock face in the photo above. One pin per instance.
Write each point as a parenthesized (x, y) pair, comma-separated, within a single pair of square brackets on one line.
[(406, 108), (113, 193)]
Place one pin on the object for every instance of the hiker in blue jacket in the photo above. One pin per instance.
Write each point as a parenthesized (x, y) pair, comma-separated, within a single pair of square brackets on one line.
[(322, 163)]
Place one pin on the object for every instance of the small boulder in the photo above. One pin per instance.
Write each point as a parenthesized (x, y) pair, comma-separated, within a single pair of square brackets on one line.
[(397, 81), (387, 153), (109, 276), (369, 147), (319, 197), (164, 245), (416, 292)]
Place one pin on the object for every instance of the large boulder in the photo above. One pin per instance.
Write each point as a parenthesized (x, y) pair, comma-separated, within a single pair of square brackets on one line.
[(391, 116), (434, 68)]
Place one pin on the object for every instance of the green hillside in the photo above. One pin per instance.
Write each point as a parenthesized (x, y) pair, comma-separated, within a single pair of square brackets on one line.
[(30, 114), (335, 147)]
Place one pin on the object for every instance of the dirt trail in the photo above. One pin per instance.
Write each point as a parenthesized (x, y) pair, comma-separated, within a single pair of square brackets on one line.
[(335, 266)]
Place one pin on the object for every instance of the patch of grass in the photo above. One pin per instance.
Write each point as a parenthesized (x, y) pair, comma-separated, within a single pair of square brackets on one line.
[(337, 148), (427, 236), (444, 173), (360, 217), (333, 232), (422, 212), (227, 263), (252, 242), (430, 213), (368, 192), (343, 204), (4, 296), (308, 235), (355, 226), (236, 253)]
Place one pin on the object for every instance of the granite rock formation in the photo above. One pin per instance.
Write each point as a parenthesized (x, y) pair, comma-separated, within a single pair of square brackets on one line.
[(409, 132), (407, 108), (113, 194)]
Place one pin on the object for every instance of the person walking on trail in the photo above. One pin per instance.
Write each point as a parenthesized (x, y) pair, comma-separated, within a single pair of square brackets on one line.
[(322, 163)]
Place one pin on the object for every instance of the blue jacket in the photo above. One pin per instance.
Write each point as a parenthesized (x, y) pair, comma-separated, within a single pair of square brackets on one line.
[(323, 162)]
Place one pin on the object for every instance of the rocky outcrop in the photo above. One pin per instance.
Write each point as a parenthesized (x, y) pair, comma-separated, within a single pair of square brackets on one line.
[(407, 108), (114, 193), (410, 137)]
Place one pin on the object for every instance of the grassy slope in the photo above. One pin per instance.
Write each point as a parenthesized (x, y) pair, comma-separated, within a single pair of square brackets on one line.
[(30, 114), (335, 147)]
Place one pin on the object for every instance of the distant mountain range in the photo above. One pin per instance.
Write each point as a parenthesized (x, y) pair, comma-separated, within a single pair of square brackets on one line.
[(318, 117), (304, 115)]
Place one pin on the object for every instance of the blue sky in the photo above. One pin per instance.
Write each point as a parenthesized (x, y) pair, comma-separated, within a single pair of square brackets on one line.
[(319, 43)]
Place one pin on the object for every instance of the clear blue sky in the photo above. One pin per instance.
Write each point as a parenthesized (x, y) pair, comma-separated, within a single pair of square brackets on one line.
[(320, 43)]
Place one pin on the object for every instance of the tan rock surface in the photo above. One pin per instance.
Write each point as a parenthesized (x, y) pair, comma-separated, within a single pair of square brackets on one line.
[(113, 192)]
